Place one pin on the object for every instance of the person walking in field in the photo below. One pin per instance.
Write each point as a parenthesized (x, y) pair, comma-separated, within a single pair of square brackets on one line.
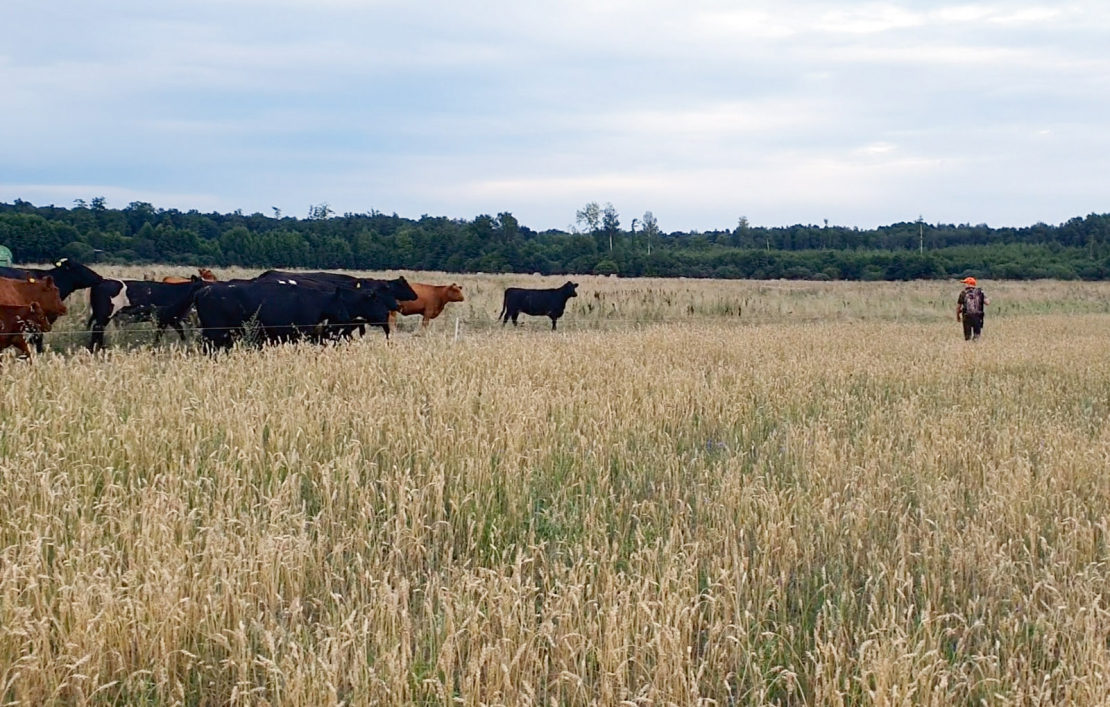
[(970, 307)]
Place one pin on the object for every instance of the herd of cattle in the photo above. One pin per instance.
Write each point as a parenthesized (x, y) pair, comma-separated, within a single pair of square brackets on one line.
[(274, 307)]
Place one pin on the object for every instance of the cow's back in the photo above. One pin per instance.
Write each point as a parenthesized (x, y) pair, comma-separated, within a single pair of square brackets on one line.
[(429, 298)]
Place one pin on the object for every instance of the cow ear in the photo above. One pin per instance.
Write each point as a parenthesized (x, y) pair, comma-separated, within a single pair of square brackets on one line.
[(358, 285)]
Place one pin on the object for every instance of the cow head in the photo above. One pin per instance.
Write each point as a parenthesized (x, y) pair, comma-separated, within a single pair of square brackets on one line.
[(35, 319), (335, 310), (80, 275), (454, 293), (46, 294), (401, 290), (384, 294), (570, 289), (206, 275), (372, 304)]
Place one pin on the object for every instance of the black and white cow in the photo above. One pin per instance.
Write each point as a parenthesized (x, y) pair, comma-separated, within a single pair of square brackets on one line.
[(537, 303), (163, 303)]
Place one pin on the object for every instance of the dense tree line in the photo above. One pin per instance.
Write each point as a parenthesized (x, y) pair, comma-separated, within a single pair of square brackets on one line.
[(140, 233)]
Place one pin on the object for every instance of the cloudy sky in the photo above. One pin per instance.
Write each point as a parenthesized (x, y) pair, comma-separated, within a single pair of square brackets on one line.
[(785, 111)]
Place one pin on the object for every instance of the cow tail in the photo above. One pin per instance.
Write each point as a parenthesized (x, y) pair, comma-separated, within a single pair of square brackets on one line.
[(504, 316)]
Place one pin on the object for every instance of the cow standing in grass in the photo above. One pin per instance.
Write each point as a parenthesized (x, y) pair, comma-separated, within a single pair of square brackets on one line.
[(284, 311), (41, 291), (430, 301), (537, 303), (391, 292), (164, 304)]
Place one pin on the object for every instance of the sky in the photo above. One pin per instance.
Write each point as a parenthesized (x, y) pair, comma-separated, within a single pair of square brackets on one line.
[(700, 111)]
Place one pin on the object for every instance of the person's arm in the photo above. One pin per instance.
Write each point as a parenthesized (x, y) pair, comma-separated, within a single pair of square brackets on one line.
[(959, 306)]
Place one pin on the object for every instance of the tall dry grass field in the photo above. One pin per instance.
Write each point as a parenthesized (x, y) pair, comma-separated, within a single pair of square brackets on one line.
[(844, 504)]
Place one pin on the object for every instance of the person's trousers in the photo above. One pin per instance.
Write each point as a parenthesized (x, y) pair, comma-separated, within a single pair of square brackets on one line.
[(973, 325)]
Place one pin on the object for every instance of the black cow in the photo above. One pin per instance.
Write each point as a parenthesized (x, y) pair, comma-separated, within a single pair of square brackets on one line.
[(538, 303), (282, 311), (398, 287), (389, 291), (164, 303), (69, 276)]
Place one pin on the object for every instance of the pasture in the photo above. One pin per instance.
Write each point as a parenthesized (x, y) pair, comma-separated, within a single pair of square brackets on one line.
[(694, 493)]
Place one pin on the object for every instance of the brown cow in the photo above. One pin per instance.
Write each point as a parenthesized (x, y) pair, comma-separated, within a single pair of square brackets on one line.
[(18, 320), (205, 274), (42, 290), (430, 301)]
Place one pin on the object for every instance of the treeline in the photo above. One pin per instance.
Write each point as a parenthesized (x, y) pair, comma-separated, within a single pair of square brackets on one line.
[(140, 233)]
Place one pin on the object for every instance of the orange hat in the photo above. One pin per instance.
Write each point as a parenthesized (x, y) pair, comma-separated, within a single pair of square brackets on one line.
[(969, 281)]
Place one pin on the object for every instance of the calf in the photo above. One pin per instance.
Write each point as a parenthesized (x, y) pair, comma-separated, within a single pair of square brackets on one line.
[(537, 303), (17, 321), (430, 301), (163, 303)]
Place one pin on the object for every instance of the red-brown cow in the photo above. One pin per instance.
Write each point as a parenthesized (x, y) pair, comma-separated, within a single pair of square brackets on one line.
[(18, 293), (204, 274), (430, 301), (18, 320)]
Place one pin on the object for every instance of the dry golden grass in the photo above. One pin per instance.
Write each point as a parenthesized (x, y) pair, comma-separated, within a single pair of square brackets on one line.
[(850, 508)]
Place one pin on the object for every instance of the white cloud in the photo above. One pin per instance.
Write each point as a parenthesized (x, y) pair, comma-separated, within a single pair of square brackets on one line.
[(1028, 15), (869, 19)]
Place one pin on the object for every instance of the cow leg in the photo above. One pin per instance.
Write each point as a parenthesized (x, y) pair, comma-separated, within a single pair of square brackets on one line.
[(20, 343), (554, 320), (96, 329), (212, 344), (37, 338), (176, 324)]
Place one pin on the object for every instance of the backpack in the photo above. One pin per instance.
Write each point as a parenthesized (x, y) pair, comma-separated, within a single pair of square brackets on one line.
[(973, 301)]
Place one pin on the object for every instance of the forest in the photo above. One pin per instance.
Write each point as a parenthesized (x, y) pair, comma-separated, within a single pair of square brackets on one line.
[(139, 233)]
